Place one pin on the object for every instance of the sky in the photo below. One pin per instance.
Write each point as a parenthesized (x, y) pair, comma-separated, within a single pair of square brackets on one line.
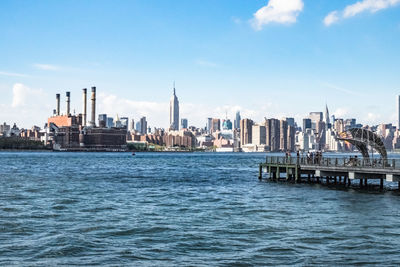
[(265, 58)]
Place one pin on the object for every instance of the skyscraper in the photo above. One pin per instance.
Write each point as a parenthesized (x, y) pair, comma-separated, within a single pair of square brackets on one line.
[(327, 122), (143, 125), (236, 124), (184, 123), (246, 133), (398, 112), (174, 112)]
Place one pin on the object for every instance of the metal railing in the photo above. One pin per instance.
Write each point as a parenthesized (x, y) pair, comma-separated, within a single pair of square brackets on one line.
[(357, 162)]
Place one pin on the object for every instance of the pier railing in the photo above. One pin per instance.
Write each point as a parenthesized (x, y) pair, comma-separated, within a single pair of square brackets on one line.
[(336, 162)]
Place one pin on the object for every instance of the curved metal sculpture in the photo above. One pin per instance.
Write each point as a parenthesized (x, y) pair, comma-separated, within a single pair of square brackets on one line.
[(362, 138)]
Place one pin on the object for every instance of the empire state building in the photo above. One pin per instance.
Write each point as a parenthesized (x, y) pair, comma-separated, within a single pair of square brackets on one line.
[(174, 112)]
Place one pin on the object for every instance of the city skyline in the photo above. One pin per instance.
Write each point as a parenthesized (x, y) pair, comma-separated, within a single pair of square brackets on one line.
[(245, 56)]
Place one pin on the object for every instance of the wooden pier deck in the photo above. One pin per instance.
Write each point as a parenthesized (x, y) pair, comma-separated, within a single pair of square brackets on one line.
[(329, 170)]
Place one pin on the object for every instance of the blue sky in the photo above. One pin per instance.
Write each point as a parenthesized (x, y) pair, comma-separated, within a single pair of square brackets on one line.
[(266, 58)]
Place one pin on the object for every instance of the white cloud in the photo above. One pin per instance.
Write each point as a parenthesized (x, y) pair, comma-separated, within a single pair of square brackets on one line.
[(331, 18), (371, 6), (12, 74), (277, 11), (23, 95), (46, 67)]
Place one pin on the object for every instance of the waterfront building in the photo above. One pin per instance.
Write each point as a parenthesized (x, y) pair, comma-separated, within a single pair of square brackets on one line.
[(283, 127), (246, 127), (259, 135), (184, 123), (4, 128), (291, 134), (174, 112)]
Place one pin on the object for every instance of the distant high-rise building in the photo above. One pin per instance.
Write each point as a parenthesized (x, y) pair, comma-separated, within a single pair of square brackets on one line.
[(327, 119), (291, 135), (209, 123), (215, 125), (174, 112), (143, 125), (316, 116), (398, 112), (259, 135), (102, 120), (132, 125), (274, 135), (227, 125), (306, 124), (246, 127), (124, 122), (184, 123), (138, 127), (110, 122), (237, 120), (283, 127), (290, 122)]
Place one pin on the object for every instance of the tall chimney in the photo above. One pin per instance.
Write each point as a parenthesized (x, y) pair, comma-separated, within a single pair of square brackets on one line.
[(84, 106), (93, 119), (68, 94), (58, 104)]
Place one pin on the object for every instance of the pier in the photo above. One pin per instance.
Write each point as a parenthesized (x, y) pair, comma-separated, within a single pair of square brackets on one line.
[(347, 172)]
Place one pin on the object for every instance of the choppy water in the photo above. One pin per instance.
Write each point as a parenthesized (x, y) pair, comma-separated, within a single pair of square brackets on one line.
[(183, 209)]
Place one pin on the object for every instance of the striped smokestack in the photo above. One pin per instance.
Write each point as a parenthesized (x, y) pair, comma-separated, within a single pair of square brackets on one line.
[(84, 106), (93, 119), (58, 104), (68, 94)]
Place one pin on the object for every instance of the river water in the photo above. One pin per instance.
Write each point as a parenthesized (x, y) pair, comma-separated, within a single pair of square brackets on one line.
[(174, 209)]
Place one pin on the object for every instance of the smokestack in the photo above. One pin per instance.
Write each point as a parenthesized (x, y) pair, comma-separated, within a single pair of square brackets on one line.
[(58, 104), (68, 94), (93, 120), (84, 106)]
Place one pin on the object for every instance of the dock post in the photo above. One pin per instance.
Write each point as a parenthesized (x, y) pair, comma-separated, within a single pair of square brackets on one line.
[(361, 183), (381, 185), (260, 172), (287, 174), (366, 182), (335, 180), (348, 182), (327, 180), (399, 185), (278, 174), (298, 175), (340, 179), (317, 179), (309, 178)]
